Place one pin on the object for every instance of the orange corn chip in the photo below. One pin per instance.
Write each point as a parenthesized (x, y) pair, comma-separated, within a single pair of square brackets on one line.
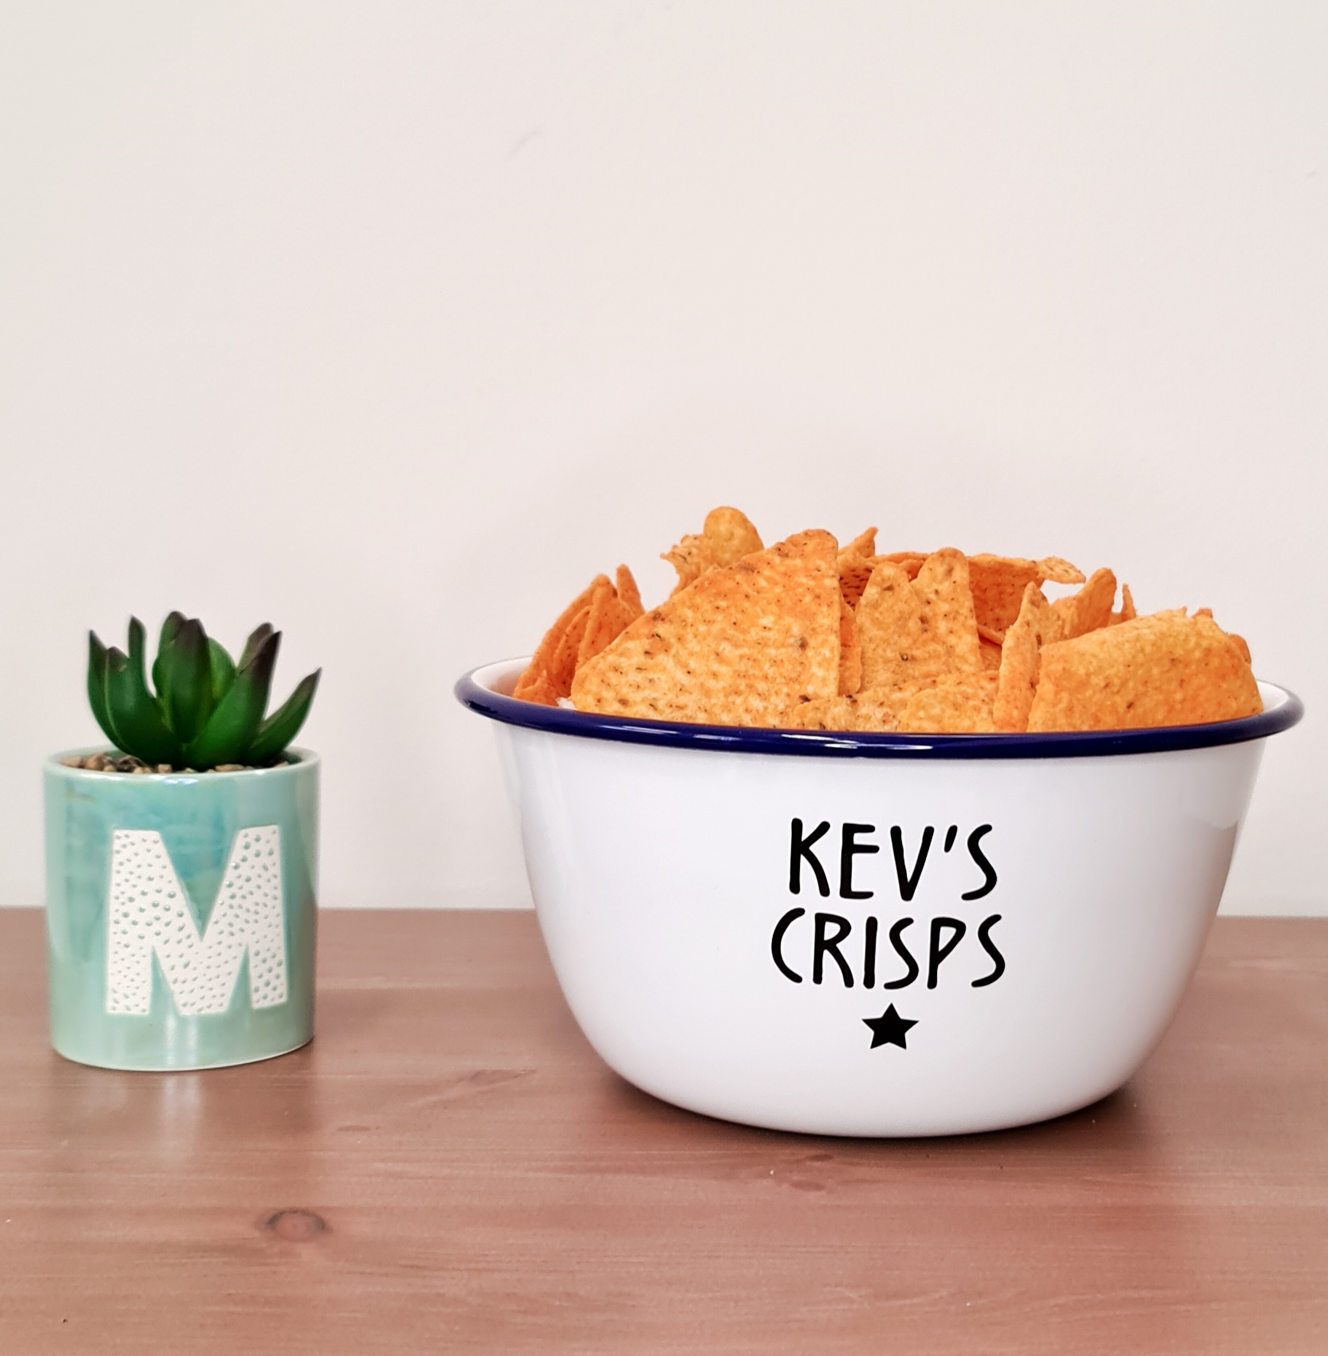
[(855, 566), (1127, 612), (909, 631), (850, 652), (1090, 608), (562, 667), (731, 536), (539, 673), (538, 690), (609, 617), (889, 618), (912, 561), (741, 646), (628, 593), (1237, 641), (990, 654), (853, 576), (1031, 629), (728, 535), (820, 713), (947, 609), (956, 703), (998, 584), (877, 711), (691, 558), (1167, 669), (1054, 570), (864, 544)]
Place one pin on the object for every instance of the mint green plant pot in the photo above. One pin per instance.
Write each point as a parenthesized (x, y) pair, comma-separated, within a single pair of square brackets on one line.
[(181, 914)]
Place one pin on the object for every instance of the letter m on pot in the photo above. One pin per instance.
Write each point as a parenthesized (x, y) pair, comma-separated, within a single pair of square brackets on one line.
[(148, 914)]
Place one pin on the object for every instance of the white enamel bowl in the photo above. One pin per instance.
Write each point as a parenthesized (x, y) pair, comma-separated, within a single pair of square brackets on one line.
[(723, 951)]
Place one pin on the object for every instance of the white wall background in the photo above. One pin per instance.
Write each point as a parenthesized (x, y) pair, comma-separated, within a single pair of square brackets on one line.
[(393, 323)]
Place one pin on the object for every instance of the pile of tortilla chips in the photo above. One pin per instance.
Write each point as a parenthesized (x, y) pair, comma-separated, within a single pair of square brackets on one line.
[(805, 635)]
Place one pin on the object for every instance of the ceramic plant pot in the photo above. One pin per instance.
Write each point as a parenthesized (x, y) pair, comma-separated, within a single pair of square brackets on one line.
[(873, 934), (181, 914)]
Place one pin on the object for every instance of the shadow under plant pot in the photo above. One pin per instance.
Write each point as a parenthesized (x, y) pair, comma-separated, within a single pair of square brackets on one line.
[(181, 904)]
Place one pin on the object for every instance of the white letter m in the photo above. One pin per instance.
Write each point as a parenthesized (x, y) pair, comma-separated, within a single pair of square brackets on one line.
[(149, 912)]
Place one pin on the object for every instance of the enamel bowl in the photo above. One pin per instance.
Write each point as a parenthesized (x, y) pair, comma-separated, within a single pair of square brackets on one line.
[(872, 934)]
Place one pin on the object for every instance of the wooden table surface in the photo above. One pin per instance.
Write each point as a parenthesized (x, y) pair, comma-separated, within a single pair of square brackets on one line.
[(449, 1168)]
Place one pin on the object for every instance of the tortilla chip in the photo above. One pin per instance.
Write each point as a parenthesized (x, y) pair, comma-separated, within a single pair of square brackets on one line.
[(998, 584), (850, 652), (562, 668), (912, 561), (1090, 608), (609, 617), (740, 646), (889, 620), (909, 631), (1054, 570), (1127, 612), (820, 713), (727, 537), (539, 674), (628, 593), (731, 536), (875, 712), (990, 654), (691, 558), (878, 711), (855, 566), (1017, 685), (1166, 669), (864, 544), (854, 572), (956, 703), (947, 609), (539, 690)]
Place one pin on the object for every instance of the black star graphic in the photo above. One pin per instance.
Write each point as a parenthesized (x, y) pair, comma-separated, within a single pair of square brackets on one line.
[(889, 1028)]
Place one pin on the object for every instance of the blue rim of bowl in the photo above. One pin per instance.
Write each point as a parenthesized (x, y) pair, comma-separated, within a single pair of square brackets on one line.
[(1282, 710)]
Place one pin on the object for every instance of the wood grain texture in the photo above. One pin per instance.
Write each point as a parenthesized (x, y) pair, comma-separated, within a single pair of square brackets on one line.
[(460, 1173)]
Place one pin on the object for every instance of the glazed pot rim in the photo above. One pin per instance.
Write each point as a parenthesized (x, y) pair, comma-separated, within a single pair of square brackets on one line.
[(487, 690), (304, 758)]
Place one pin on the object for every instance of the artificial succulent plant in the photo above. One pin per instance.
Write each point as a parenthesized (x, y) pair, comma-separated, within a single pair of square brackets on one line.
[(207, 710)]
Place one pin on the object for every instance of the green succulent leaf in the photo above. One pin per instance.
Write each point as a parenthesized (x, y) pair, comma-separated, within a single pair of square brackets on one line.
[(186, 691), (277, 731), (169, 627), (222, 667), (97, 684), (251, 646), (136, 719), (206, 709), (233, 724)]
